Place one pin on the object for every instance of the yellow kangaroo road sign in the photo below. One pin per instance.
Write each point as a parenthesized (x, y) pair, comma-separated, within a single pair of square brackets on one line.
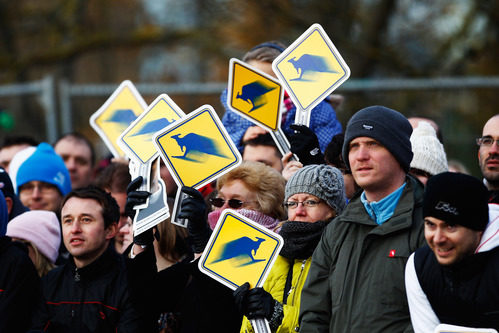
[(136, 141), (240, 250), (311, 68), (116, 114), (197, 149), (254, 95)]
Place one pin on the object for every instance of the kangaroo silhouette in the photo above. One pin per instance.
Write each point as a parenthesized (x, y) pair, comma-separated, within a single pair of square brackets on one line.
[(240, 248), (310, 63), (154, 126), (253, 93), (122, 117), (195, 143)]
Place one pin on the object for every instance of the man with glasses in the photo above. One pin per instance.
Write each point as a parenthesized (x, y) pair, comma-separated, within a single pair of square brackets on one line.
[(43, 179), (356, 278), (488, 157)]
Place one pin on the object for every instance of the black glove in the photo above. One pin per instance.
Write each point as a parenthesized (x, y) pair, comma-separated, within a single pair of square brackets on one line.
[(305, 145), (147, 237), (134, 197), (193, 208), (254, 303), (144, 238)]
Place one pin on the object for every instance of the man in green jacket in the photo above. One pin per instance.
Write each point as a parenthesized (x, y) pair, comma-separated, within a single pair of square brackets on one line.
[(356, 279)]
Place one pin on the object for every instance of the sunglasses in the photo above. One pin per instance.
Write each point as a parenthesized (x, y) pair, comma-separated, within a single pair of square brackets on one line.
[(233, 203)]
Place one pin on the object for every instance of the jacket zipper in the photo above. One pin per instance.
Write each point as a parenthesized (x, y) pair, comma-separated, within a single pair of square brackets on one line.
[(297, 280)]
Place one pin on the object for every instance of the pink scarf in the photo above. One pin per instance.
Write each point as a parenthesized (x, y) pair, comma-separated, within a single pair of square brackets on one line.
[(260, 218)]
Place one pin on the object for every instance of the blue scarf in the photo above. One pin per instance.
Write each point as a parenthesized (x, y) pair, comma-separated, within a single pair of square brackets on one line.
[(381, 211)]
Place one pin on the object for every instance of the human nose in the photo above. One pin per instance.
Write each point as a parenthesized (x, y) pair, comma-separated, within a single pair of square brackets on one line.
[(300, 209), (439, 236), (494, 148), (75, 227), (361, 153), (70, 164), (125, 229), (37, 192)]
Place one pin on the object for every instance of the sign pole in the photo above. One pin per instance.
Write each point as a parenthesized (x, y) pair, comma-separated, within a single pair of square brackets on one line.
[(260, 325), (302, 117)]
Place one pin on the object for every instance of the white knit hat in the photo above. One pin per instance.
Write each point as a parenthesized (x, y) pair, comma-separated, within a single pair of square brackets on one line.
[(40, 227), (429, 153)]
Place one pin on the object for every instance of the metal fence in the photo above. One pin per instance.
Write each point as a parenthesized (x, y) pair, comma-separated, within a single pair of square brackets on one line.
[(47, 90)]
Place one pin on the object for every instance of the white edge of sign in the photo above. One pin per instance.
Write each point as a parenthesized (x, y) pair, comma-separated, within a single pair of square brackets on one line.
[(183, 120), (265, 75), (446, 328), (125, 84), (299, 40), (214, 235), (121, 142)]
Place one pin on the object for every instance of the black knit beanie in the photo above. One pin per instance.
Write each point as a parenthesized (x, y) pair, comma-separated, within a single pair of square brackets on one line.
[(457, 198), (387, 126)]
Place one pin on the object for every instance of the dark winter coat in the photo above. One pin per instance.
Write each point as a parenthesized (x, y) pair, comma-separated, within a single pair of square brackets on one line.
[(95, 298), (356, 278), (19, 286)]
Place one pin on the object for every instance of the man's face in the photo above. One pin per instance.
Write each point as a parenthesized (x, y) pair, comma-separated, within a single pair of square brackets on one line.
[(373, 167), (78, 159), (40, 195), (488, 157), (264, 154), (83, 230), (7, 153), (450, 244)]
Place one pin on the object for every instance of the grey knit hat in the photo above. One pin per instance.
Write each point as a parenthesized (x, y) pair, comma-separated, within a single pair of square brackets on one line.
[(323, 181), (387, 126)]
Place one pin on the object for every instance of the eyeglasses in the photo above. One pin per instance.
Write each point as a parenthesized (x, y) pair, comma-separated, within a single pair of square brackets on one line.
[(306, 203), (42, 187), (233, 203), (486, 141)]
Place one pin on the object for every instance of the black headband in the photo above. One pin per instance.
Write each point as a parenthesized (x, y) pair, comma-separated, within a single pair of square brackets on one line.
[(267, 44)]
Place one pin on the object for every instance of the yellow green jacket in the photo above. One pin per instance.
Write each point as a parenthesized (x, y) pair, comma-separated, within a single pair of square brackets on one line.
[(275, 283)]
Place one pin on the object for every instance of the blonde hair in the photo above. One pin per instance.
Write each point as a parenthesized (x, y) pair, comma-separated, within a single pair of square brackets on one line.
[(267, 183), (42, 264)]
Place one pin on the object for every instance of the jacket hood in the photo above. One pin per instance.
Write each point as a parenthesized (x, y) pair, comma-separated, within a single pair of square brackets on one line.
[(490, 237)]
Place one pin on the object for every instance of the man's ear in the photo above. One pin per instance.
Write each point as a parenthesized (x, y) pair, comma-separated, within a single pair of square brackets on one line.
[(10, 204), (111, 230)]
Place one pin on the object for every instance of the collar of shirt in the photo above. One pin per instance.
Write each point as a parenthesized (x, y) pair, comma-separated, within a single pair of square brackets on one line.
[(381, 211)]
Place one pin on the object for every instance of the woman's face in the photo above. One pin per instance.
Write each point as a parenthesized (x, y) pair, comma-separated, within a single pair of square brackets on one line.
[(309, 209), (236, 189)]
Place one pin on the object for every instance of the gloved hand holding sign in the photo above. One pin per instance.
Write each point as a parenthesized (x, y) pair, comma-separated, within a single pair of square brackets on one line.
[(257, 303), (305, 145), (133, 199), (193, 208)]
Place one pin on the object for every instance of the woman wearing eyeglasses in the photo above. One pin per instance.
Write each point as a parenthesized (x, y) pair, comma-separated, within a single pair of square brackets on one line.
[(253, 187), (315, 195)]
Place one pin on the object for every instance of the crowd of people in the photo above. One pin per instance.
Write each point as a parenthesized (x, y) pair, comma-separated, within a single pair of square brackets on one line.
[(380, 234)]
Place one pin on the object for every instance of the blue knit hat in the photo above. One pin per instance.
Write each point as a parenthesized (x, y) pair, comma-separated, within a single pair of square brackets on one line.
[(44, 165), (4, 215), (387, 126)]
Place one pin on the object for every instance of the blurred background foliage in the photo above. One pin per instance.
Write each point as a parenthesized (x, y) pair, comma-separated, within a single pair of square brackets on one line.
[(173, 41)]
